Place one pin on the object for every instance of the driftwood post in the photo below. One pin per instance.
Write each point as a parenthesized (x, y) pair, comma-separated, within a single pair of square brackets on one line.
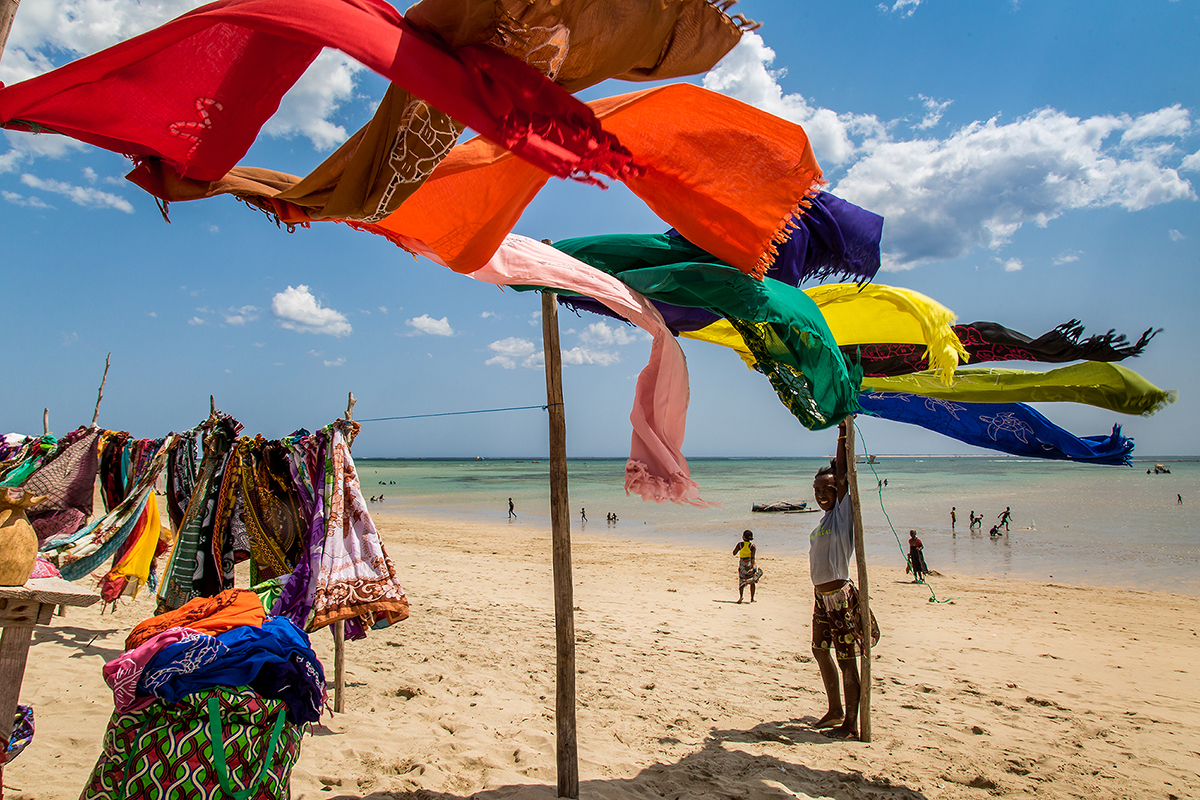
[(864, 604), (100, 394), (560, 527), (339, 627)]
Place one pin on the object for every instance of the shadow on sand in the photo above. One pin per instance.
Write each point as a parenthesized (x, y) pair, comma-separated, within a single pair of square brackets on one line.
[(716, 770)]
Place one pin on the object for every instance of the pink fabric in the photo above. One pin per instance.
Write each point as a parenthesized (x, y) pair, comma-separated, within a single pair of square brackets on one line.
[(656, 469), (123, 672), (44, 569)]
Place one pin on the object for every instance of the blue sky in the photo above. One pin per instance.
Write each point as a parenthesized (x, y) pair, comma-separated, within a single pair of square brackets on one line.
[(1035, 162)]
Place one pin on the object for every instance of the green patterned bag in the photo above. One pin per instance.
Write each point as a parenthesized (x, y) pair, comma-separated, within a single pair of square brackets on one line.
[(166, 752)]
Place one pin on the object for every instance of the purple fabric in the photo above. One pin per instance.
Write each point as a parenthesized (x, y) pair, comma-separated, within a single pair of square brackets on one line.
[(296, 598), (832, 238)]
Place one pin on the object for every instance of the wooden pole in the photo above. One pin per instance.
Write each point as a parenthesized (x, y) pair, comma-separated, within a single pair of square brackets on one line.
[(8, 10), (339, 627), (45, 421), (560, 527), (864, 603), (100, 394)]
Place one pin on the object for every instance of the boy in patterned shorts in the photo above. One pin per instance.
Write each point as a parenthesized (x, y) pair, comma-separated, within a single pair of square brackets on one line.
[(837, 624)]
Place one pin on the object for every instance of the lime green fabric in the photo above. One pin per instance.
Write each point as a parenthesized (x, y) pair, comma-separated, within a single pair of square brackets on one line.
[(781, 325), (1095, 383)]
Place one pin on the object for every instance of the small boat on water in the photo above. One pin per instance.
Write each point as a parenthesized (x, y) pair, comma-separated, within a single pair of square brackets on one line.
[(784, 507)]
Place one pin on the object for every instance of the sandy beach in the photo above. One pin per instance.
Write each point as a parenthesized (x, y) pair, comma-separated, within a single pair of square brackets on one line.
[(1012, 689)]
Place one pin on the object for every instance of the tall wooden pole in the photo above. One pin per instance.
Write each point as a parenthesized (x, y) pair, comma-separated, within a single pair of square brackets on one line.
[(560, 527), (8, 10), (100, 393), (864, 603)]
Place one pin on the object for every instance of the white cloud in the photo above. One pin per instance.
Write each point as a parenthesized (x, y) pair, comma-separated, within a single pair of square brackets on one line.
[(743, 74), (600, 333), (24, 147), (1013, 265), (429, 325), (1066, 258), (1176, 236), (240, 316), (337, 362), (69, 339), (22, 200), (50, 32), (213, 228), (977, 187), (383, 309), (509, 350), (933, 112), (195, 321), (260, 344), (151, 313), (585, 355), (491, 314), (905, 8), (298, 310), (80, 195), (89, 174)]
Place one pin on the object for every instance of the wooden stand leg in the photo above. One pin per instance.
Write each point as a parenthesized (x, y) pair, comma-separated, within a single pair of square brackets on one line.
[(560, 524), (339, 664), (14, 651)]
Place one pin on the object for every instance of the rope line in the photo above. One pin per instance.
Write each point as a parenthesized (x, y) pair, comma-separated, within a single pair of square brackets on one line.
[(879, 488), (543, 407)]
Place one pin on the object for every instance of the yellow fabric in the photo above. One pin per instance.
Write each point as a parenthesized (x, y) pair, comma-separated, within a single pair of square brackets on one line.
[(745, 551), (872, 314), (136, 563)]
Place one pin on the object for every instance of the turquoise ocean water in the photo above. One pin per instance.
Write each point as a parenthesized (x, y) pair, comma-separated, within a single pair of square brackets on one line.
[(1075, 524)]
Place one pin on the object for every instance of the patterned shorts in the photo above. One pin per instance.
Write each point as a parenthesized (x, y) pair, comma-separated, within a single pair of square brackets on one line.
[(837, 624)]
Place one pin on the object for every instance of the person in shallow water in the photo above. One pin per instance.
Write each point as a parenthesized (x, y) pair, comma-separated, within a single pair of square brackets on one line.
[(837, 624)]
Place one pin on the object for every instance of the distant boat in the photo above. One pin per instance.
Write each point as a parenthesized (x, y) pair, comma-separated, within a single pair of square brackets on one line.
[(865, 459), (782, 506), (1161, 469)]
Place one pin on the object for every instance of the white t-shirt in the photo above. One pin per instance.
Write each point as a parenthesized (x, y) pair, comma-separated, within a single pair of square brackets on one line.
[(831, 544)]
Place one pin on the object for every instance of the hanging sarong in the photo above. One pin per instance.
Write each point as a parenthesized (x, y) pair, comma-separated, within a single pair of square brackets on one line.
[(988, 341), (182, 466), (656, 469), (306, 463), (84, 550), (270, 508), (205, 83), (864, 314), (68, 483), (729, 177), (31, 455), (356, 579), (133, 559), (189, 569), (1094, 383), (783, 328), (1012, 428), (575, 44)]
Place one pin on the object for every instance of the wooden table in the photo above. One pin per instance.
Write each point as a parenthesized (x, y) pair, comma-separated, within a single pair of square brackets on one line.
[(21, 608)]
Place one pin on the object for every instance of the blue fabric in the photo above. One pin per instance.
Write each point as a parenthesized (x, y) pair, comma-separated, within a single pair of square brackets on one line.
[(1013, 428), (275, 660)]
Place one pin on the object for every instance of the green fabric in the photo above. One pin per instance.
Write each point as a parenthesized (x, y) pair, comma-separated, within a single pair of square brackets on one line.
[(782, 326), (219, 743), (14, 474), (1094, 383)]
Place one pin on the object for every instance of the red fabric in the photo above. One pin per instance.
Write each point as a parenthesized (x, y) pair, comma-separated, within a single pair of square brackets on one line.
[(196, 91)]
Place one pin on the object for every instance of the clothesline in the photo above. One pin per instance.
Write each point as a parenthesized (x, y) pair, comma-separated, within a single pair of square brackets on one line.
[(543, 407)]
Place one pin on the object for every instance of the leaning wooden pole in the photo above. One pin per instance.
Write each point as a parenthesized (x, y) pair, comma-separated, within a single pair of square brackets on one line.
[(100, 393), (864, 603), (560, 527)]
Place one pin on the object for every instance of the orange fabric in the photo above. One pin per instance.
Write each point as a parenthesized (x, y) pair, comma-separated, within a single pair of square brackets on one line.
[(230, 609), (725, 174)]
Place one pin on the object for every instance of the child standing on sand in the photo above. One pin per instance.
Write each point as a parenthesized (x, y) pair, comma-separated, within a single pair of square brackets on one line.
[(916, 557), (748, 571), (837, 624)]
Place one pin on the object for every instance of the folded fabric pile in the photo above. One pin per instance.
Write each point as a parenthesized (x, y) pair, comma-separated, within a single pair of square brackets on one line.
[(216, 671)]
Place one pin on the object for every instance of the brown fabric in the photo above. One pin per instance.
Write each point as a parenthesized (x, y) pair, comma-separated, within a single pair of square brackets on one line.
[(577, 44), (67, 482), (581, 43)]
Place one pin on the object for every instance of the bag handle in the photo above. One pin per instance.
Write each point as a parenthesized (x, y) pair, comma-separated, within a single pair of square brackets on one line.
[(218, 748)]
